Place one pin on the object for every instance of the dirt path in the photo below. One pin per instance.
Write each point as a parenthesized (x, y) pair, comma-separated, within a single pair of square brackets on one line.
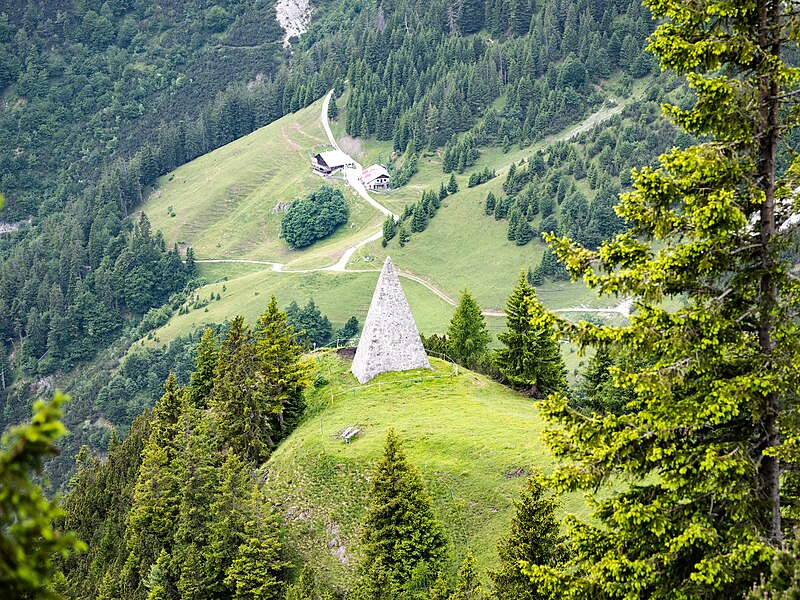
[(353, 174)]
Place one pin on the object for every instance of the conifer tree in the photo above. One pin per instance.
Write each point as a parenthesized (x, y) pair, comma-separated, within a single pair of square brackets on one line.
[(242, 419), (784, 575), (443, 193), (596, 387), (156, 497), (513, 220), (305, 588), (257, 570), (468, 585), (531, 359), (389, 230), (283, 372), (193, 581), (471, 18), (377, 582), (452, 185), (419, 220), (467, 334), (400, 530), (333, 109), (197, 468), (522, 232), (534, 539), (228, 513), (201, 381), (491, 203), (706, 445), (436, 200), (404, 235), (439, 590)]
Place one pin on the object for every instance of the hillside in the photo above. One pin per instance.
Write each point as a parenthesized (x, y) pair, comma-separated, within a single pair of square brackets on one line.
[(223, 207), (227, 204), (471, 438)]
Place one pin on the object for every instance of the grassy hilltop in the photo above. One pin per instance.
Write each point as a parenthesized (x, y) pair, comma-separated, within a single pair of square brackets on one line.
[(469, 437)]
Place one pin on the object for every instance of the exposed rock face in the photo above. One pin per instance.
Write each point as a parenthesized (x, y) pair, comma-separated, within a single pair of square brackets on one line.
[(293, 16), (390, 340)]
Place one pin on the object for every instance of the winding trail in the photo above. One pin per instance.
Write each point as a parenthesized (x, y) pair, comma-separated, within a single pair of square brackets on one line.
[(352, 177)]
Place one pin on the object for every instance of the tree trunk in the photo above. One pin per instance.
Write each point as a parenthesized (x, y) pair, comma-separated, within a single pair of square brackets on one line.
[(768, 133)]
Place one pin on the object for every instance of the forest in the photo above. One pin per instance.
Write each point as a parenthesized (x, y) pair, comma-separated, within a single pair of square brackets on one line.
[(681, 428)]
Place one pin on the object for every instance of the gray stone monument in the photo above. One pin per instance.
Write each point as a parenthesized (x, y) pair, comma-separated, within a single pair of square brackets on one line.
[(390, 340)]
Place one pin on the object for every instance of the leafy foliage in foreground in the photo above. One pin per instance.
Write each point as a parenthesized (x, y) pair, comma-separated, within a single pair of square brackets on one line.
[(28, 539)]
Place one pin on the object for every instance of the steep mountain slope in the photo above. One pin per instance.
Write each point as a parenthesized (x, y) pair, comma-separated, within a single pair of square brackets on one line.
[(473, 440)]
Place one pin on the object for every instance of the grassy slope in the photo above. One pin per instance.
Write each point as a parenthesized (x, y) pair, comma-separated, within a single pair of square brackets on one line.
[(461, 248), (465, 434), (223, 202), (338, 295)]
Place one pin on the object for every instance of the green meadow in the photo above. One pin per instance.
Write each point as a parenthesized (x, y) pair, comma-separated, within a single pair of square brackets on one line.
[(472, 439)]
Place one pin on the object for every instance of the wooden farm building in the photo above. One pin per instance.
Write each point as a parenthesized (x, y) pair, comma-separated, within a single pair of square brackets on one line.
[(328, 162), (375, 177)]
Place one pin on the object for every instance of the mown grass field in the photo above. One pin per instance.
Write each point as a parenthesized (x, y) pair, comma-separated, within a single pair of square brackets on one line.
[(467, 435), (462, 248), (224, 202)]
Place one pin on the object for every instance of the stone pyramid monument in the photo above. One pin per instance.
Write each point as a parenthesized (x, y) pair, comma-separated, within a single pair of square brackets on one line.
[(390, 340)]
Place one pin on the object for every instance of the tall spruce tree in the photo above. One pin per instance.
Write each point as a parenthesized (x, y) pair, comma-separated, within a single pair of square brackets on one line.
[(389, 230), (534, 539), (228, 513), (197, 467), (201, 380), (452, 185), (256, 573), (468, 585), (156, 497), (467, 333), (400, 532), (240, 410), (419, 219), (707, 444), (283, 372), (531, 359)]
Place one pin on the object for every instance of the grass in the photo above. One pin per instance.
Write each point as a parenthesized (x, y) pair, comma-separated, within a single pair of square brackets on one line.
[(338, 295), (224, 202), (466, 434), (223, 207), (462, 248)]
